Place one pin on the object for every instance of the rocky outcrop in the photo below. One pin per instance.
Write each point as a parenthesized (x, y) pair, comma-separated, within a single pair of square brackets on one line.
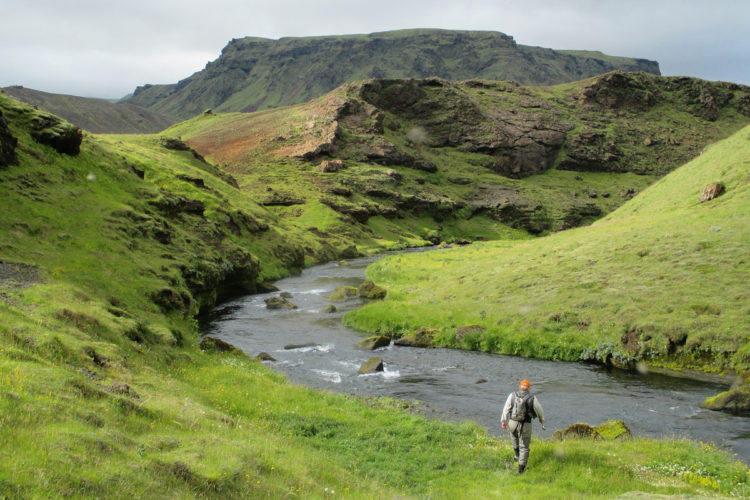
[(7, 144), (711, 191), (372, 365), (55, 132)]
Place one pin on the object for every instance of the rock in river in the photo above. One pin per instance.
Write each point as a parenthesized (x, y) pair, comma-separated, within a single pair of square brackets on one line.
[(372, 343), (289, 347), (372, 365), (279, 303)]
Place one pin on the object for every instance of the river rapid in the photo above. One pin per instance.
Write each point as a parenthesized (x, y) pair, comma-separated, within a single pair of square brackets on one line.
[(461, 385)]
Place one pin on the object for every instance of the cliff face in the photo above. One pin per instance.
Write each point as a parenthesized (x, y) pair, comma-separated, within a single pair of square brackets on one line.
[(256, 73)]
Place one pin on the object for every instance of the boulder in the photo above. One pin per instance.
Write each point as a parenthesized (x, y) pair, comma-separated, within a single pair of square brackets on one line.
[(372, 365), (420, 338), (279, 303), (264, 356), (329, 166), (217, 345), (285, 295), (372, 343), (62, 136), (330, 309), (343, 293), (7, 145), (463, 331), (369, 290), (711, 191)]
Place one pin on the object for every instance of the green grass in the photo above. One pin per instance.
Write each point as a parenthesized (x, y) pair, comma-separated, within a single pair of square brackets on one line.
[(82, 320), (661, 279)]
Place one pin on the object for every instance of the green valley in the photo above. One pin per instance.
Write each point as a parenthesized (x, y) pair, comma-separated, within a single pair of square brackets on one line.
[(112, 245)]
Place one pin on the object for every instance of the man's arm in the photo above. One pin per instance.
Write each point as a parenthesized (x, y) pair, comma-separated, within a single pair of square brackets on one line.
[(539, 410), (506, 410)]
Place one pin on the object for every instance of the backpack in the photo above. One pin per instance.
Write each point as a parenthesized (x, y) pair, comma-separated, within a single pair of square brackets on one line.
[(522, 407)]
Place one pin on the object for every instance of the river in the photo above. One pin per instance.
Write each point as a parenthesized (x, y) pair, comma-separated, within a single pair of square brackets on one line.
[(462, 385)]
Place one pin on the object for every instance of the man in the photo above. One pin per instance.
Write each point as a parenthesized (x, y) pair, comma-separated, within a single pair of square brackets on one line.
[(520, 407)]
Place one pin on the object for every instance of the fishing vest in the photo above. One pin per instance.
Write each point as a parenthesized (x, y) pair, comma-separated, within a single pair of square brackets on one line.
[(522, 407)]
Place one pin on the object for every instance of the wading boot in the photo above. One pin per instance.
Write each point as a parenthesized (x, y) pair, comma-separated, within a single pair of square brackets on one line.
[(521, 468), (515, 454)]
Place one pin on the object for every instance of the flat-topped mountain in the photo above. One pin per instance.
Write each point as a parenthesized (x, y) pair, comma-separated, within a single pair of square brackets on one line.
[(94, 115), (258, 73)]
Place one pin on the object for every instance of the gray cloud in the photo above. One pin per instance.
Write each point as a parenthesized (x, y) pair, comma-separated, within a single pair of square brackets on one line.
[(105, 48)]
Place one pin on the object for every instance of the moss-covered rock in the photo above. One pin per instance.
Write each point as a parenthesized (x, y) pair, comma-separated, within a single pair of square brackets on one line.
[(372, 343), (279, 303), (420, 338), (7, 145), (343, 293), (735, 400), (372, 365), (369, 290), (611, 429), (214, 344), (53, 131), (576, 431)]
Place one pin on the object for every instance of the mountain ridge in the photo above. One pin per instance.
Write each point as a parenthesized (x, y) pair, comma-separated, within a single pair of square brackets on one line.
[(255, 73), (99, 116)]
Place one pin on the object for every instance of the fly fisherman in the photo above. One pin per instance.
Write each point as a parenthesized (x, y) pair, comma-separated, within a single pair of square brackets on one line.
[(519, 409)]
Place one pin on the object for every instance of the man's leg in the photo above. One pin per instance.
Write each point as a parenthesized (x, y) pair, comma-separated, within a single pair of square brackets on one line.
[(524, 442), (514, 437)]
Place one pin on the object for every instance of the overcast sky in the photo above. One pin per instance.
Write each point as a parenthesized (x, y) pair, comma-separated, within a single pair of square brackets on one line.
[(105, 48)]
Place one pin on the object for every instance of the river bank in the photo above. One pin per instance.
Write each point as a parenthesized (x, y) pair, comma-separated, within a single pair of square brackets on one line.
[(459, 385)]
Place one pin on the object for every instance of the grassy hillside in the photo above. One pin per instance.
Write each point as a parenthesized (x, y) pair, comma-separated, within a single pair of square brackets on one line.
[(663, 279), (256, 73), (430, 160), (106, 254), (94, 115)]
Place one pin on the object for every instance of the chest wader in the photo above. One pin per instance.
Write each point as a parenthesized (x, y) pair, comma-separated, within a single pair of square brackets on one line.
[(520, 429)]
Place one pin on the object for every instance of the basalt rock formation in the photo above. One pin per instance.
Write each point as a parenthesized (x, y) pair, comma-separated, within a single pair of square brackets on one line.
[(257, 73)]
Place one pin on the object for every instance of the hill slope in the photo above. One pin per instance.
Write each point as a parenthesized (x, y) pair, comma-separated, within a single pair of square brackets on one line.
[(106, 251), (431, 160), (94, 115), (663, 279), (256, 73)]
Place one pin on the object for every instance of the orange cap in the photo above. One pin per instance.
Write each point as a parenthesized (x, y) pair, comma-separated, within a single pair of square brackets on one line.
[(525, 384)]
